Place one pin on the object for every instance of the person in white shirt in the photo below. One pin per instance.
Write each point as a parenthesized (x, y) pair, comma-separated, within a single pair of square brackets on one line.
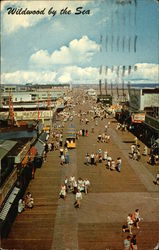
[(106, 127), (86, 185), (157, 179), (145, 151), (66, 183), (21, 205), (112, 167), (132, 149), (80, 184), (130, 222), (75, 187), (77, 203), (71, 180), (105, 155), (62, 193)]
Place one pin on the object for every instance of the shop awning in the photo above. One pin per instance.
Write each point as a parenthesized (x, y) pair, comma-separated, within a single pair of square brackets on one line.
[(25, 160), (33, 152), (40, 148), (43, 137)]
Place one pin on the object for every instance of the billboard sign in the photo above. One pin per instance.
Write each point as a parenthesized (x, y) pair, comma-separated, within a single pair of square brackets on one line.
[(138, 118)]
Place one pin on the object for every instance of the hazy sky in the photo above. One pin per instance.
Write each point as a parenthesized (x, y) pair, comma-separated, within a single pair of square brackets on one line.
[(79, 48)]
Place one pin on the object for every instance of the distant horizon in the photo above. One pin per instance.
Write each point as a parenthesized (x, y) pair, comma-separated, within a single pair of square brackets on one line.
[(114, 85)]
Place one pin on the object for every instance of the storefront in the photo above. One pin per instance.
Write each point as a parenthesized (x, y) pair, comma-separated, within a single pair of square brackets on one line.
[(9, 198)]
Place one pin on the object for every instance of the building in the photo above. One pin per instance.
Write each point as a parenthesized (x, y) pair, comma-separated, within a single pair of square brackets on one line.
[(142, 114), (31, 102), (91, 92), (144, 100), (21, 152)]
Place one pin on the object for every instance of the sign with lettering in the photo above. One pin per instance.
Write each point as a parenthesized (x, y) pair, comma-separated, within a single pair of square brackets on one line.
[(30, 115), (138, 118)]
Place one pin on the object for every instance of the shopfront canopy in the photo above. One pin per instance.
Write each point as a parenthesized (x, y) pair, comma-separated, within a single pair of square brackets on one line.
[(5, 147), (40, 148)]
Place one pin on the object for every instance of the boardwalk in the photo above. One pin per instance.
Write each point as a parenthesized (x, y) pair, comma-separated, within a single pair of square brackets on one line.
[(54, 224)]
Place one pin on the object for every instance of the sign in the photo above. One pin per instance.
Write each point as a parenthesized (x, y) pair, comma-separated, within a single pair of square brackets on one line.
[(7, 186), (33, 115), (138, 118)]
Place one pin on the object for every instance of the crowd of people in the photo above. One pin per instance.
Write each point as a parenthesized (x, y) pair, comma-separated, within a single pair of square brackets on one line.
[(135, 152), (26, 202), (130, 242), (133, 220), (99, 157), (80, 185), (77, 187)]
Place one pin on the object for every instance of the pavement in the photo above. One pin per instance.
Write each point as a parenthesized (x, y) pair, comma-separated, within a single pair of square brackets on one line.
[(54, 224)]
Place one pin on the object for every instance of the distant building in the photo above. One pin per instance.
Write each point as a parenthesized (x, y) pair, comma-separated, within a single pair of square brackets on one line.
[(91, 92), (144, 99), (142, 114), (31, 102)]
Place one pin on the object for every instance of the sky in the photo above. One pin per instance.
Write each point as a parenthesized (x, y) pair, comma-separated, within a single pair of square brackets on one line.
[(106, 39)]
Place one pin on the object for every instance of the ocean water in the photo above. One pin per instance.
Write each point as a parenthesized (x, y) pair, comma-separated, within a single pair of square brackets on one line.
[(144, 85)]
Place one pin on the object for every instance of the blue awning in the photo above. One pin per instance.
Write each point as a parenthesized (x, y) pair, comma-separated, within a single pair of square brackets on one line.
[(43, 137), (40, 148)]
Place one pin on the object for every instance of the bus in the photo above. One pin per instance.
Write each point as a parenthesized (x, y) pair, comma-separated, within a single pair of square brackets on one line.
[(71, 137)]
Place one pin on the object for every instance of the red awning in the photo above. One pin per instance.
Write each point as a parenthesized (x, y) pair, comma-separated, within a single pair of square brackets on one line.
[(32, 153)]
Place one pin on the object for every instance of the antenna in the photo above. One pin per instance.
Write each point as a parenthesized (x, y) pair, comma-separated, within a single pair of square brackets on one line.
[(135, 43), (100, 87), (129, 44), (101, 39), (106, 87), (106, 43), (118, 40)]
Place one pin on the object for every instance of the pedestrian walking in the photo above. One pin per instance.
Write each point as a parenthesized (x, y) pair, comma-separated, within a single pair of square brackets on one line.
[(157, 179), (133, 243), (66, 183), (136, 218), (62, 193), (145, 151), (62, 159), (130, 222), (138, 156), (86, 185), (127, 243), (67, 158), (77, 203), (92, 159), (118, 166)]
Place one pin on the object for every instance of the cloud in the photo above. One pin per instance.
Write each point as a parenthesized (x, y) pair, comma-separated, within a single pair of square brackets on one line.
[(78, 74), (20, 77), (12, 23), (78, 52), (146, 72), (65, 78), (62, 75)]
